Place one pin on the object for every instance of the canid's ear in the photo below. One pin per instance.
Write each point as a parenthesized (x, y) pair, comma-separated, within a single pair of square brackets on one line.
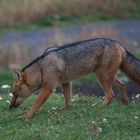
[(17, 75)]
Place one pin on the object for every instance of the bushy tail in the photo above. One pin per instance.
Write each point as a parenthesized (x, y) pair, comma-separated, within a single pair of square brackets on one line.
[(131, 67)]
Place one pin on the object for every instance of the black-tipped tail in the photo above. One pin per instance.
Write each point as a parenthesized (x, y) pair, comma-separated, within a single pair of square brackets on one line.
[(131, 67)]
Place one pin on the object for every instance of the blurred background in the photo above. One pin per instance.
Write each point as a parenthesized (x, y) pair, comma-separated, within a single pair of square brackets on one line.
[(27, 27)]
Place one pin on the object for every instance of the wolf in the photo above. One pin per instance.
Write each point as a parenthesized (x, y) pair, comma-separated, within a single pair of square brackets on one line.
[(60, 65)]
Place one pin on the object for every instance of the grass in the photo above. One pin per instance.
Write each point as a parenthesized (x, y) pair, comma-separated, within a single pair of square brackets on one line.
[(88, 79), (85, 120), (67, 20), (36, 13), (5, 77)]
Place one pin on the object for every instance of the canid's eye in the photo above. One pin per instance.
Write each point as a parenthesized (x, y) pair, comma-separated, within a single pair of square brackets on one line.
[(16, 90)]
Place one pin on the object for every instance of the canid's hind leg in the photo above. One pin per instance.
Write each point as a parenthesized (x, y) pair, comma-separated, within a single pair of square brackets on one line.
[(106, 84), (67, 91), (121, 86)]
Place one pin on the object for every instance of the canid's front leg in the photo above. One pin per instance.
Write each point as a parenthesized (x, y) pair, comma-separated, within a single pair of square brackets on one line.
[(67, 91), (43, 96)]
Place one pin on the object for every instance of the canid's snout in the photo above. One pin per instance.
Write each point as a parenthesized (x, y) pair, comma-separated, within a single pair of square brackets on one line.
[(14, 105), (14, 102)]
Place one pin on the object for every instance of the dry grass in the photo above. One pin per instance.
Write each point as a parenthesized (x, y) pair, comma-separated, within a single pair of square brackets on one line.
[(15, 12), (16, 56), (20, 54)]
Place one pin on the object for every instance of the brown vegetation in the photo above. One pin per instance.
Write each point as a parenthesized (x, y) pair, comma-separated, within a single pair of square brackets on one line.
[(20, 54), (15, 12), (15, 56)]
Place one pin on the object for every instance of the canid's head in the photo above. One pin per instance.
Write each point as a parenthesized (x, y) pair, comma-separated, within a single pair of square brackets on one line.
[(20, 89)]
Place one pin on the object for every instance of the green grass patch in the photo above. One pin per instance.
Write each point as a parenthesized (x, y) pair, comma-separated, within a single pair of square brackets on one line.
[(138, 55), (88, 79), (69, 20), (85, 120), (58, 12), (133, 14), (66, 20), (5, 77)]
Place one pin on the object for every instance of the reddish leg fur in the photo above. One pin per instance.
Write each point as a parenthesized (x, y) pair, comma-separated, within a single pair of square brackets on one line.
[(107, 87), (43, 96), (106, 80), (67, 91)]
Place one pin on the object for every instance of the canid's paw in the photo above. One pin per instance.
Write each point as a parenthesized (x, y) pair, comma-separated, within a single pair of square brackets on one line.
[(106, 102), (125, 101), (26, 117), (64, 109)]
